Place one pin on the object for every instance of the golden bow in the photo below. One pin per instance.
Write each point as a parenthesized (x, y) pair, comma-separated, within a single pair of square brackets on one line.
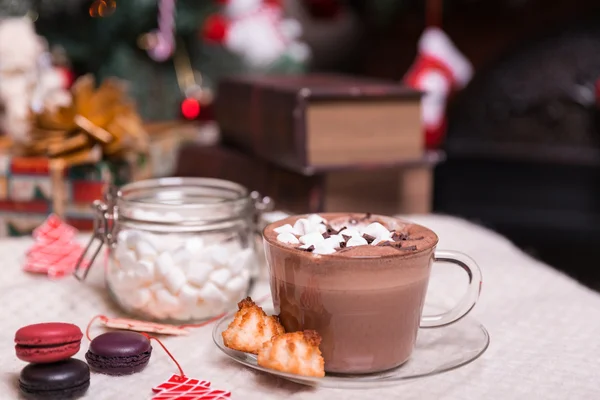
[(98, 118)]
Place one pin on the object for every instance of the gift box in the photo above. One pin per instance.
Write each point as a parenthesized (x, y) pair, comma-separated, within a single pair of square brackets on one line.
[(33, 187)]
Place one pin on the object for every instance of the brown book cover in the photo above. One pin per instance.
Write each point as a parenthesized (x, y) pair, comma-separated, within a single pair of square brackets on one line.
[(388, 190), (319, 122)]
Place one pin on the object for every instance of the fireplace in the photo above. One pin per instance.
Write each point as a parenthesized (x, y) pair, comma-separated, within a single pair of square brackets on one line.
[(523, 146), (523, 149)]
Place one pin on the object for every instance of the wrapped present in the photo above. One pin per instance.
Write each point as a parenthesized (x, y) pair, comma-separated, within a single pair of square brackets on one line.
[(69, 156)]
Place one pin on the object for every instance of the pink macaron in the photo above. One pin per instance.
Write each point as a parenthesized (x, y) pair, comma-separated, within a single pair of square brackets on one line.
[(47, 342)]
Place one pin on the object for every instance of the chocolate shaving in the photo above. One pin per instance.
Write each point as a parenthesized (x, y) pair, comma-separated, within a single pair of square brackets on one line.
[(342, 245), (326, 235), (368, 238), (398, 236), (309, 248), (386, 243)]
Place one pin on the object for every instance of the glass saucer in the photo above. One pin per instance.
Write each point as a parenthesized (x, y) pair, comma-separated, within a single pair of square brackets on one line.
[(437, 350)]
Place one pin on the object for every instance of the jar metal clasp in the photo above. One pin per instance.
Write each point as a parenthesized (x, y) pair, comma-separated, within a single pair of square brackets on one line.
[(104, 219)]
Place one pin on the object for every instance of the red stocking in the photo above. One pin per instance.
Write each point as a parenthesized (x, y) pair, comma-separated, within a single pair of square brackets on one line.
[(439, 70)]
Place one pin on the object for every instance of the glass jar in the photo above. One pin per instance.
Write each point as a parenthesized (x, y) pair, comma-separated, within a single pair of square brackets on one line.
[(179, 249)]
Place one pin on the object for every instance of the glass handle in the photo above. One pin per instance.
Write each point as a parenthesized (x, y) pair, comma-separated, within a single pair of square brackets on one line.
[(466, 304)]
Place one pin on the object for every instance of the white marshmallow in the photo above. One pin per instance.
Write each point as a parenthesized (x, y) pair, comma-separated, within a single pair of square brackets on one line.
[(198, 273), (220, 277), (181, 258), (175, 280), (287, 228), (376, 230), (127, 259), (356, 241), (194, 245), (236, 285), (188, 296), (321, 228), (126, 281), (316, 219), (241, 261), (131, 238), (140, 298), (165, 301), (144, 272), (166, 243), (302, 226), (219, 254), (382, 238), (164, 264), (287, 238), (323, 248), (350, 232), (212, 294), (145, 251), (334, 241), (311, 238), (154, 310)]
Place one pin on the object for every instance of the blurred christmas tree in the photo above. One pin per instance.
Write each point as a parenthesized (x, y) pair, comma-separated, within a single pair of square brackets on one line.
[(110, 38)]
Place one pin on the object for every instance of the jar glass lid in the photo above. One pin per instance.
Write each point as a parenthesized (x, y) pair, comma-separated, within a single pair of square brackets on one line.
[(183, 201)]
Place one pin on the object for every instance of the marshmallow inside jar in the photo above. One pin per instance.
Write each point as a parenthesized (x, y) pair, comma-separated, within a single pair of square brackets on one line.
[(182, 249)]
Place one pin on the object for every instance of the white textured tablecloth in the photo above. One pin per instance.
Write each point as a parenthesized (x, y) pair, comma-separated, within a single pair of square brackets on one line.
[(545, 332)]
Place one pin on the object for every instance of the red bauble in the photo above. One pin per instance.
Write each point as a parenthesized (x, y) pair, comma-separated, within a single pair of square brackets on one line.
[(215, 28), (190, 108), (323, 9), (68, 76)]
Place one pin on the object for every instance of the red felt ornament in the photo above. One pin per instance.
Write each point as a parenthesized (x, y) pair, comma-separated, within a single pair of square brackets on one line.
[(183, 388), (55, 251)]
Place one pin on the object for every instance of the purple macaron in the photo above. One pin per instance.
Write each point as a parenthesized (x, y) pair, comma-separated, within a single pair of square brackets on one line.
[(119, 353)]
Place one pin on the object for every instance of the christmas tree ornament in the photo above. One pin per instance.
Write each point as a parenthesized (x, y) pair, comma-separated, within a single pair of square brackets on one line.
[(190, 82), (256, 31), (439, 71), (55, 251), (161, 42)]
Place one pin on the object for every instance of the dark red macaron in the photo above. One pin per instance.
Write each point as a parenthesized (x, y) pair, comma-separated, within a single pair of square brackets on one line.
[(119, 353), (47, 342)]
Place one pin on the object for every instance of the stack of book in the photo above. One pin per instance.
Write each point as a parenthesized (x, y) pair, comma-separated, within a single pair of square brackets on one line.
[(320, 142)]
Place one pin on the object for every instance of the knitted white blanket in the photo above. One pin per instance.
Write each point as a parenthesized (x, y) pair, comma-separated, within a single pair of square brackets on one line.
[(545, 332)]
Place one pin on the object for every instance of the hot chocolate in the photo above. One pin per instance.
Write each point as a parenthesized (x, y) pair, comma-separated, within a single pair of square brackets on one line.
[(363, 291)]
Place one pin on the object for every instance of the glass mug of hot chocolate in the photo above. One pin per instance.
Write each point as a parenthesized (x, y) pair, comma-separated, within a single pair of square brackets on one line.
[(360, 281)]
